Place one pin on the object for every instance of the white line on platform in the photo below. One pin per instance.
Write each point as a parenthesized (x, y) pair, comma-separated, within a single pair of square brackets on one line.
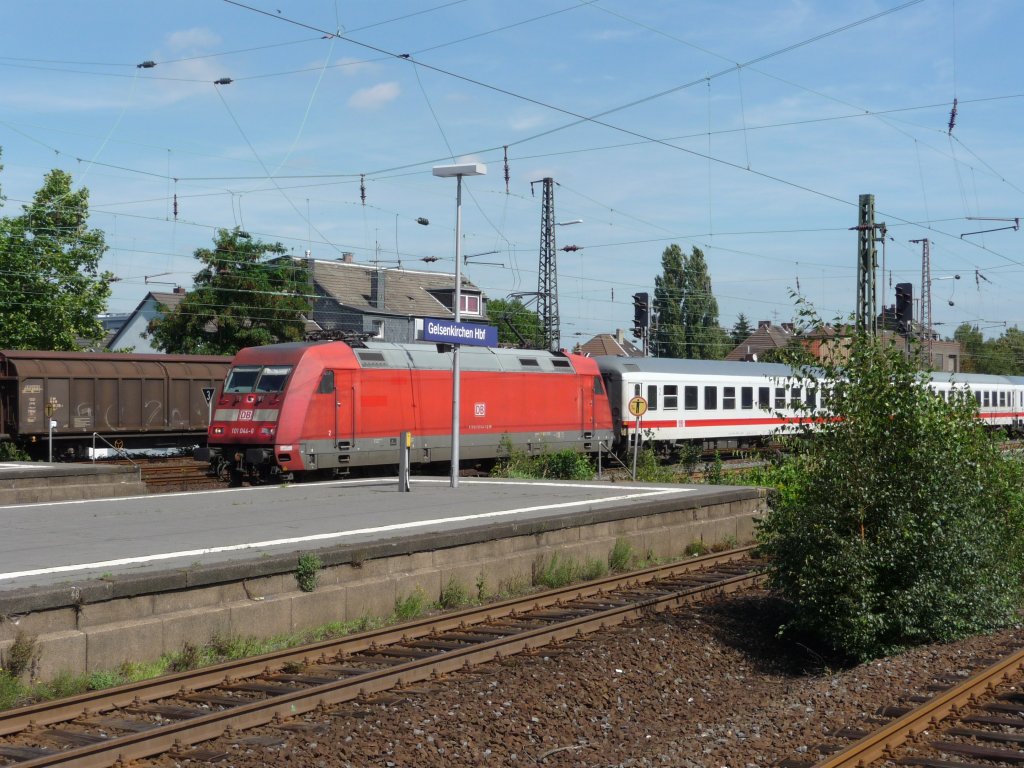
[(358, 482), (645, 492)]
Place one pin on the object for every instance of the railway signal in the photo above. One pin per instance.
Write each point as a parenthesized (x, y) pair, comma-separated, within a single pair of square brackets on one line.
[(641, 313)]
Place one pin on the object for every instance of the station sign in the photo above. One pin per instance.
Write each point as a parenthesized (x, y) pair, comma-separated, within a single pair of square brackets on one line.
[(451, 332)]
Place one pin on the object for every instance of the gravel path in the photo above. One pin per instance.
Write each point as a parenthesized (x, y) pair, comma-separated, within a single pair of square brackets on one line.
[(705, 687)]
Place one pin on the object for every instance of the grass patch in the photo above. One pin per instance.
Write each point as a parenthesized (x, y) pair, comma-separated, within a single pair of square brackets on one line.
[(411, 606), (454, 595)]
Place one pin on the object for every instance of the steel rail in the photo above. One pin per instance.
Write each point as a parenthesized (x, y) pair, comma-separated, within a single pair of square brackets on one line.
[(251, 714), (882, 743)]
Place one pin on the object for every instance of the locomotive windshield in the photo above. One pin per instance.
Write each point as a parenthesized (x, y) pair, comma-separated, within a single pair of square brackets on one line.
[(256, 379)]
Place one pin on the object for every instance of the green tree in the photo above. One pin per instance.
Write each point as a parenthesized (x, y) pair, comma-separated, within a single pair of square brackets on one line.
[(517, 325), (51, 287), (669, 335), (705, 339), (972, 344), (1011, 344), (241, 298), (900, 522), (741, 330), (687, 323)]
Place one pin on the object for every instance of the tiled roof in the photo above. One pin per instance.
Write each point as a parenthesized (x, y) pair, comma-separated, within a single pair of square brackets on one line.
[(608, 344), (406, 292), (765, 338)]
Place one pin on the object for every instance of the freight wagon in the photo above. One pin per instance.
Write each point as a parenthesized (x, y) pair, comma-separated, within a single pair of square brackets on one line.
[(131, 401)]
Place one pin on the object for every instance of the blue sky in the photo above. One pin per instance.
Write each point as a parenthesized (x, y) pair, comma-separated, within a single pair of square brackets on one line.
[(746, 128)]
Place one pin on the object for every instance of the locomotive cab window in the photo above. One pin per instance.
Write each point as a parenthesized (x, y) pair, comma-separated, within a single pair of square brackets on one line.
[(598, 386), (241, 380), (326, 383), (272, 378)]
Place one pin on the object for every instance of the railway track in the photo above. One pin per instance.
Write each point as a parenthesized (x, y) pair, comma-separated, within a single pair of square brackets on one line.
[(969, 722), (174, 713)]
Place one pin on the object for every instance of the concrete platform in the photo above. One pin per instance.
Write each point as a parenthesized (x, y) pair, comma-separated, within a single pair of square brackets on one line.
[(96, 583), (25, 482)]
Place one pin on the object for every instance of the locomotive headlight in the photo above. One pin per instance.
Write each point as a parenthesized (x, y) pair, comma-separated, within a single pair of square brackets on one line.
[(266, 430), (218, 430)]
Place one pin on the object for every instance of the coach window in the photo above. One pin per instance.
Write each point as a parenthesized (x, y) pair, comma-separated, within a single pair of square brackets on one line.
[(810, 399), (671, 397), (710, 398), (764, 398), (780, 398), (977, 397), (326, 383), (652, 397), (728, 398), (747, 398), (636, 390), (984, 397), (690, 398), (795, 397)]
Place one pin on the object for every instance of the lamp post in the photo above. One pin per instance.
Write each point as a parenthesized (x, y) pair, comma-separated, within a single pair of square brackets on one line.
[(458, 171)]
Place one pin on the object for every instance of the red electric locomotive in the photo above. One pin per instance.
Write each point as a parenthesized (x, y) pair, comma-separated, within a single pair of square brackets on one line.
[(287, 410)]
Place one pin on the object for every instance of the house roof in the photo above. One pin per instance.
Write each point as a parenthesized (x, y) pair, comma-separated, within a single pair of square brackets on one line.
[(406, 292), (609, 344), (766, 337)]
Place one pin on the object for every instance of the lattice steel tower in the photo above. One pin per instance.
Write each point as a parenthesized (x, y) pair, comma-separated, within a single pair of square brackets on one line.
[(925, 339), (867, 263), (547, 279)]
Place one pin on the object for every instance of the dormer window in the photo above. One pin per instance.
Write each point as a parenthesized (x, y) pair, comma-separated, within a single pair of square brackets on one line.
[(470, 304)]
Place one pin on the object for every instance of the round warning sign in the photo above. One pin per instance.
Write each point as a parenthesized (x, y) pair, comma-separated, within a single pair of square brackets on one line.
[(637, 406)]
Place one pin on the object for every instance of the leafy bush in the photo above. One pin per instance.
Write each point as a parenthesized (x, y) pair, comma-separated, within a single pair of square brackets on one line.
[(566, 464), (10, 452), (899, 522), (649, 468), (307, 572)]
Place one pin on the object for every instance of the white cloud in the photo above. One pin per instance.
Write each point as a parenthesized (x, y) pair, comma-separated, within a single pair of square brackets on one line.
[(190, 39), (350, 66), (526, 122), (374, 96)]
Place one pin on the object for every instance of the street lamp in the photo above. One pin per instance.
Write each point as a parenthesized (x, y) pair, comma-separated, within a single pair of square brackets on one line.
[(458, 171)]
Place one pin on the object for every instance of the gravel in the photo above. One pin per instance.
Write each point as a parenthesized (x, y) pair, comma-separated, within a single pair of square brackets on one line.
[(704, 687)]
